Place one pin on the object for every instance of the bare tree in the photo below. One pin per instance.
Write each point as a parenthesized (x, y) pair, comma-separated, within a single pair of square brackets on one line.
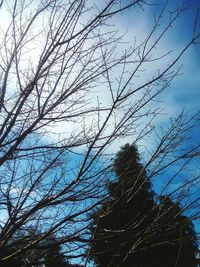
[(67, 93)]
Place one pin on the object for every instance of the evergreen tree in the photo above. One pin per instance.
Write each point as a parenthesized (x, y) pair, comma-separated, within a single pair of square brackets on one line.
[(13, 262), (130, 230), (10, 249), (175, 242), (37, 257), (119, 224), (54, 256)]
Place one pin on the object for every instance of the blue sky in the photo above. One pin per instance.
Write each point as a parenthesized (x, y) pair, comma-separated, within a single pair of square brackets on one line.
[(185, 89)]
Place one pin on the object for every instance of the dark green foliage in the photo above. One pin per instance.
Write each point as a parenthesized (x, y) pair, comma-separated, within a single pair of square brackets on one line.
[(13, 262), (175, 238), (54, 257), (7, 255), (49, 254), (123, 218), (130, 230)]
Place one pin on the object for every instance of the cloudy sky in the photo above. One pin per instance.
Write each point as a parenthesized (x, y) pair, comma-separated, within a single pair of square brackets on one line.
[(184, 91), (135, 24)]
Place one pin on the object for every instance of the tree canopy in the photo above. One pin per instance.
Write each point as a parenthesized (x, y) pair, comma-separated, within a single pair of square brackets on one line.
[(132, 230)]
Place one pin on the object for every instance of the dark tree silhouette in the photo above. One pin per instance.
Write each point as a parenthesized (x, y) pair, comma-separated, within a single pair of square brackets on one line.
[(131, 230), (14, 262), (123, 217), (54, 257), (11, 248), (48, 253), (175, 242)]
